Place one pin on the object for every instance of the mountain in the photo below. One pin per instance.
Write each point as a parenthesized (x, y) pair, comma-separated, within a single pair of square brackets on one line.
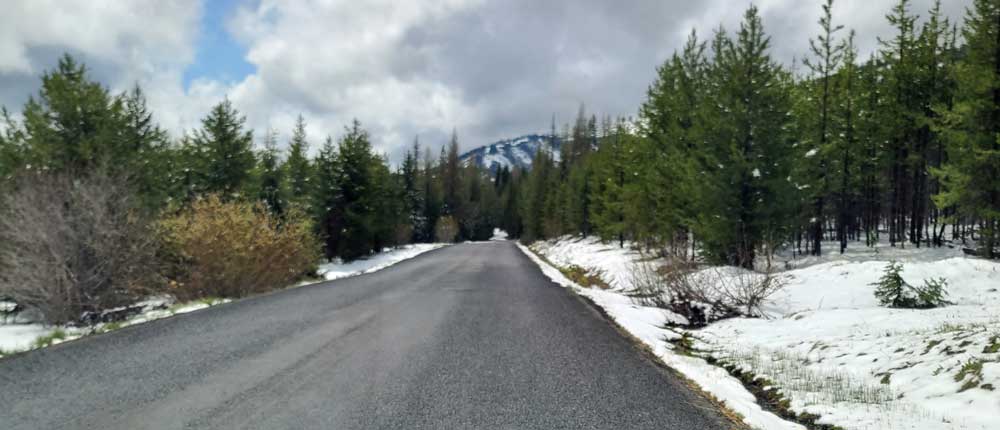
[(511, 153)]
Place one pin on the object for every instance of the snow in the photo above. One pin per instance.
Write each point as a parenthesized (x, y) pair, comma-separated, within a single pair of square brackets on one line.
[(386, 258), (21, 336), (18, 336), (827, 345), (499, 234)]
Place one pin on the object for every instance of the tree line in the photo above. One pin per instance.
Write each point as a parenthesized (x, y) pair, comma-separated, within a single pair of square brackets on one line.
[(734, 155), (358, 201)]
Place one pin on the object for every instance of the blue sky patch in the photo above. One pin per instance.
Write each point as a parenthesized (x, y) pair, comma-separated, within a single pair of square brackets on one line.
[(219, 56)]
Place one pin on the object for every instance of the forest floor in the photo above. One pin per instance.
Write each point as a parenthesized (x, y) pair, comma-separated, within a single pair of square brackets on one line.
[(19, 333), (825, 352)]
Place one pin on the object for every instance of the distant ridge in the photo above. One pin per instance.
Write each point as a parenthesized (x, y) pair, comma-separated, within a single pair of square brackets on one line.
[(511, 153)]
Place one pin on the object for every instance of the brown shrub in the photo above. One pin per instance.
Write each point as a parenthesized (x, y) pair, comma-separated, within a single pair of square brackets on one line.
[(446, 230), (703, 296), (73, 246), (234, 249)]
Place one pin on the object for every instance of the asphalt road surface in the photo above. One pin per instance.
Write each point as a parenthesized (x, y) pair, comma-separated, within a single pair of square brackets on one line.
[(468, 336)]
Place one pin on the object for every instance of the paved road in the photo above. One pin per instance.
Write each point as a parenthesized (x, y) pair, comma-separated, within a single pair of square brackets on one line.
[(468, 336)]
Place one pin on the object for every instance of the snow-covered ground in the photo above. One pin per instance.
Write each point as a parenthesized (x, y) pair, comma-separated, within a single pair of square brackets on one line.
[(386, 258), (826, 344), (17, 335)]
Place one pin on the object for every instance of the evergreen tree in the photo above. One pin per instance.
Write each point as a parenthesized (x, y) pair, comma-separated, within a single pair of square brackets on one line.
[(971, 175), (413, 194), (608, 210), (228, 151), (659, 202), (360, 192), (846, 144), (829, 55), (145, 156), (745, 205), (900, 74), (270, 174), (451, 181), (297, 167), (327, 199), (536, 192), (431, 196), (73, 122)]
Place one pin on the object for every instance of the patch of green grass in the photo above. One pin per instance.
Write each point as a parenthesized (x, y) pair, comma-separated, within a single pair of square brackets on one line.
[(584, 277), (111, 326), (49, 339), (931, 345), (885, 378), (973, 368), (994, 346), (683, 345)]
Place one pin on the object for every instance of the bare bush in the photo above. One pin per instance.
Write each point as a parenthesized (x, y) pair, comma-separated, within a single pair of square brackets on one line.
[(72, 246), (233, 249), (747, 290), (702, 296)]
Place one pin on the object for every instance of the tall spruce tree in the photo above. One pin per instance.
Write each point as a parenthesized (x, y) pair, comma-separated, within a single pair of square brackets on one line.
[(327, 199), (297, 167), (228, 151), (745, 167)]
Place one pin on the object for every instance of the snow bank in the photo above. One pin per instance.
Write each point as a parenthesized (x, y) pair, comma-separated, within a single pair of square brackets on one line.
[(827, 345), (386, 258)]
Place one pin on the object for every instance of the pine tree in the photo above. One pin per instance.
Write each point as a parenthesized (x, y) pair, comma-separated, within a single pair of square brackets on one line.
[(899, 54), (829, 55), (271, 175), (72, 124), (744, 206), (359, 189), (451, 181), (536, 192), (228, 149), (297, 167), (413, 196), (846, 143), (144, 156), (431, 196), (327, 199), (608, 210), (659, 201), (971, 175)]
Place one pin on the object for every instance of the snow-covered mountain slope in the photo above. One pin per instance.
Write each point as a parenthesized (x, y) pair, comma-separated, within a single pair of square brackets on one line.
[(511, 153)]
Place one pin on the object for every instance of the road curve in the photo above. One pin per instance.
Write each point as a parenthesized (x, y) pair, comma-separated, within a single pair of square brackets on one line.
[(468, 336)]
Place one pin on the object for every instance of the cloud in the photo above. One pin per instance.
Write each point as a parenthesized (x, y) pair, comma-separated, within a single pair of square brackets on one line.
[(490, 69)]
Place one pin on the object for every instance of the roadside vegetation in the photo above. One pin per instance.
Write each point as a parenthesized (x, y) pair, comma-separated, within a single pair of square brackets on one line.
[(101, 210)]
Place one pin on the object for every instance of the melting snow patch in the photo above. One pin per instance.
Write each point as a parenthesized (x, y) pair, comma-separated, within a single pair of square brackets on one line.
[(388, 257)]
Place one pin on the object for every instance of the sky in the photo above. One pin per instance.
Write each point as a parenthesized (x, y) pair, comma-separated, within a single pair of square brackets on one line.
[(489, 70)]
